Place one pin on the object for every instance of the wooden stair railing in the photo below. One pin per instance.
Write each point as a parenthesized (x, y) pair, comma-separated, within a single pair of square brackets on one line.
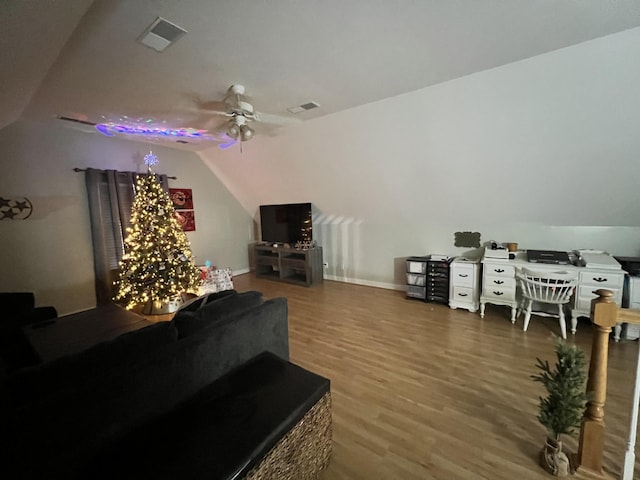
[(631, 316), (604, 315), (591, 446)]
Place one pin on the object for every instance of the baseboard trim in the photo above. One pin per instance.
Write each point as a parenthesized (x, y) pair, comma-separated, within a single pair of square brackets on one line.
[(367, 283), (335, 278), (240, 271)]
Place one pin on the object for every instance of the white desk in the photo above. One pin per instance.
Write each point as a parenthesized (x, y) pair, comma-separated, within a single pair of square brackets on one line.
[(499, 283)]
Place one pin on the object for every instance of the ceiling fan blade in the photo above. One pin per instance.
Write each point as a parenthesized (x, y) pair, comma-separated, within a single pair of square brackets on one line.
[(214, 124), (276, 119), (201, 111), (213, 106)]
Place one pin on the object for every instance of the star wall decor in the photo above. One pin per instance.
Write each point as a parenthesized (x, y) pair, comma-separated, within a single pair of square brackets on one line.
[(18, 208)]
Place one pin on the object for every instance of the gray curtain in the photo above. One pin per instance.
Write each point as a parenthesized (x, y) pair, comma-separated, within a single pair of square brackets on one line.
[(111, 194)]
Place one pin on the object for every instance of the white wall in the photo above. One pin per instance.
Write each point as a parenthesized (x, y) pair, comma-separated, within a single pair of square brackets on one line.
[(543, 152), (50, 253)]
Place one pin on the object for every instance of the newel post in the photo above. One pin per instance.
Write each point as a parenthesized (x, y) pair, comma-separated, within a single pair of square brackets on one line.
[(591, 448)]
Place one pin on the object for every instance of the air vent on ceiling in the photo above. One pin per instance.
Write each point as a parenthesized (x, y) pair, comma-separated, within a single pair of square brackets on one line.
[(76, 120), (160, 34), (303, 107)]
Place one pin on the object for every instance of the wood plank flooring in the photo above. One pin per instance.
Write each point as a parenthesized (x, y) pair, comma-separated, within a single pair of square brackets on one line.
[(421, 391)]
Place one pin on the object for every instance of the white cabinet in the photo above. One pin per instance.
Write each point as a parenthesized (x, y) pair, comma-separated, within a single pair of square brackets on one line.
[(592, 278), (631, 299), (633, 292), (464, 285), (498, 285)]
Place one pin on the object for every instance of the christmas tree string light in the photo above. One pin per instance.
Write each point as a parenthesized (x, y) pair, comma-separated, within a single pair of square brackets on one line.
[(157, 264)]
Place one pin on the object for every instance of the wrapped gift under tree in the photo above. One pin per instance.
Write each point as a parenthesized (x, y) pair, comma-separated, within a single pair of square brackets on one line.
[(215, 279)]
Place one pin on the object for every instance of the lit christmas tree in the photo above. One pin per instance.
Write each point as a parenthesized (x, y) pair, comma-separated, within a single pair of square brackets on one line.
[(157, 264)]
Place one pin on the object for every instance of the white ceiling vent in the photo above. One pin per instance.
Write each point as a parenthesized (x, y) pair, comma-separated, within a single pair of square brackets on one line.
[(77, 124), (303, 107), (76, 120), (160, 34)]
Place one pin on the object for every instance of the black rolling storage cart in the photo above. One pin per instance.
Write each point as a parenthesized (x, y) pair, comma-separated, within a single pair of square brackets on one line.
[(428, 278)]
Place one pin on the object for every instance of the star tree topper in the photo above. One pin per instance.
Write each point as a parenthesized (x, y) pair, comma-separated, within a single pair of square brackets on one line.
[(150, 159)]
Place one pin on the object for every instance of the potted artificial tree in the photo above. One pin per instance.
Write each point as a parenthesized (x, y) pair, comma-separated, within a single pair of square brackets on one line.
[(561, 411)]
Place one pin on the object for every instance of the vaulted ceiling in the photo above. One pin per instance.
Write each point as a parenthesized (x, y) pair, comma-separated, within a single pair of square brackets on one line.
[(82, 58)]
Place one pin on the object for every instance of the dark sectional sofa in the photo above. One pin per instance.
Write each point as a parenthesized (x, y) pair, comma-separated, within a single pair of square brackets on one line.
[(72, 417), (18, 309)]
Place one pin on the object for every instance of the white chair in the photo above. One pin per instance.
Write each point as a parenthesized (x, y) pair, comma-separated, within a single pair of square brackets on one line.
[(548, 287)]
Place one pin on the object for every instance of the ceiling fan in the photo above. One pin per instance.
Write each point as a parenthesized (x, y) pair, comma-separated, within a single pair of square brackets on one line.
[(240, 112)]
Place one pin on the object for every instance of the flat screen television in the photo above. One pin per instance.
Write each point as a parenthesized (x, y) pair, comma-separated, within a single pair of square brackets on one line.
[(287, 223)]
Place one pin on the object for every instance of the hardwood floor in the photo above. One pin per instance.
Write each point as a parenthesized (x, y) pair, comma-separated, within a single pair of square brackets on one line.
[(421, 391)]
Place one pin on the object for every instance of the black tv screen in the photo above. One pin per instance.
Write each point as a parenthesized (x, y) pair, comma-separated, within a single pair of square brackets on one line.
[(287, 223)]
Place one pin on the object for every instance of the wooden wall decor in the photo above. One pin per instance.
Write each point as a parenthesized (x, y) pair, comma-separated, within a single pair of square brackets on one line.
[(467, 239), (182, 199)]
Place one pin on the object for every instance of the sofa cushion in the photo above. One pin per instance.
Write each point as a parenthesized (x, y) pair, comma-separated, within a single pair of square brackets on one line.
[(195, 303), (189, 323), (16, 351), (121, 352)]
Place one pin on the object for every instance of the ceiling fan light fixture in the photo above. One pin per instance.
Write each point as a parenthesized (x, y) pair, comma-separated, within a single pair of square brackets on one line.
[(233, 131), (246, 133)]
